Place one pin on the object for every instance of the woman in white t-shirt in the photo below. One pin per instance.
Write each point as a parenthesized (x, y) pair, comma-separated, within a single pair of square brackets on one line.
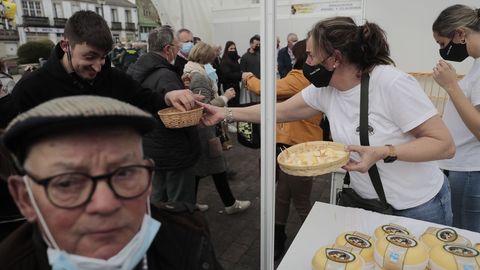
[(400, 115), (457, 31)]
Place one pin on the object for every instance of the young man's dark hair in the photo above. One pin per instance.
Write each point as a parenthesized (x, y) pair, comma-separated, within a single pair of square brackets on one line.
[(87, 26), (256, 37)]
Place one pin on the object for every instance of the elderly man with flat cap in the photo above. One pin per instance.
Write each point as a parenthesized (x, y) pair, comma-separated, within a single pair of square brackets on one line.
[(86, 199)]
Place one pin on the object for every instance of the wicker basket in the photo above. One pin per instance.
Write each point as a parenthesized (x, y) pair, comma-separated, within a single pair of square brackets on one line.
[(173, 118), (312, 170)]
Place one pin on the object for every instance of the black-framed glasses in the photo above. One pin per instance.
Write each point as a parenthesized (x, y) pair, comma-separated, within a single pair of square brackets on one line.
[(75, 189)]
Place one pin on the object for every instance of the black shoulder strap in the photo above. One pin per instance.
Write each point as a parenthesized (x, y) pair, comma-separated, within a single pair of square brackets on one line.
[(373, 171)]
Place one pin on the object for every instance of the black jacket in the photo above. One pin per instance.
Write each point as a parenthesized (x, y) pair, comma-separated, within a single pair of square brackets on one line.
[(250, 62), (169, 148), (232, 75), (284, 62), (231, 72), (52, 81), (179, 64), (182, 243)]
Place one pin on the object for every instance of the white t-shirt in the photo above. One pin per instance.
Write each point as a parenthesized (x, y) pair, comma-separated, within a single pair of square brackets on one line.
[(467, 156), (397, 104)]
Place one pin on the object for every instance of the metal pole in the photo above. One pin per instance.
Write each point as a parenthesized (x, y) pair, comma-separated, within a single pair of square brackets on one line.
[(268, 100)]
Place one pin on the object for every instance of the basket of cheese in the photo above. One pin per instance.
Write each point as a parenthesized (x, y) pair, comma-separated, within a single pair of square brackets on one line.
[(313, 158)]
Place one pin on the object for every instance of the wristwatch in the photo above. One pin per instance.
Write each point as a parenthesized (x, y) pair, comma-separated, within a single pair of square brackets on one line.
[(392, 155)]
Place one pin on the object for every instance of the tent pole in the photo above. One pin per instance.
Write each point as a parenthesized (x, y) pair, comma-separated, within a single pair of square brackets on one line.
[(268, 160)]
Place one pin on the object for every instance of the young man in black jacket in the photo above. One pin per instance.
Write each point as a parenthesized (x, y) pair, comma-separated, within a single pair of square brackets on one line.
[(175, 151), (78, 65)]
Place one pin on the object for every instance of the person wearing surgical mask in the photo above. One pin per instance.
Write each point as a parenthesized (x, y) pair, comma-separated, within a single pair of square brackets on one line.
[(457, 32), (185, 37), (406, 134), (84, 190), (285, 57), (175, 151)]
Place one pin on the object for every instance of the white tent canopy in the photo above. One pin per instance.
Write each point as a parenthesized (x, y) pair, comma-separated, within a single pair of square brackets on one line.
[(407, 23)]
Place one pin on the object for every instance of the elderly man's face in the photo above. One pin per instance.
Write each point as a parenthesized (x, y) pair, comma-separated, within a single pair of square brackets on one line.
[(102, 227)]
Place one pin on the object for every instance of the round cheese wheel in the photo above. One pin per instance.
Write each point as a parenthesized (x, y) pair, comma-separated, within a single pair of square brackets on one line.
[(400, 251), (329, 258), (358, 243), (439, 236), (477, 246), (454, 257)]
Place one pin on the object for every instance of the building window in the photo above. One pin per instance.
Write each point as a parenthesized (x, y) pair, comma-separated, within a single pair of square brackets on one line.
[(58, 10), (128, 16), (114, 15), (32, 8), (146, 12), (99, 10)]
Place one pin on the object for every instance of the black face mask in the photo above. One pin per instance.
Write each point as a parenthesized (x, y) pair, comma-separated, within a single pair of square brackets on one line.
[(454, 52), (318, 75), (232, 55)]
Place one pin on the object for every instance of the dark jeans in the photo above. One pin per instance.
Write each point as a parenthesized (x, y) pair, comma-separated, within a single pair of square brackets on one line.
[(465, 188)]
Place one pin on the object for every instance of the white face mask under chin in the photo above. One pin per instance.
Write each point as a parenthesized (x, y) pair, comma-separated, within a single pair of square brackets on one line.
[(126, 259)]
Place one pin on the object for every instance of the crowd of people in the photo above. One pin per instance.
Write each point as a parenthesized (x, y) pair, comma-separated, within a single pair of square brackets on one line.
[(95, 179)]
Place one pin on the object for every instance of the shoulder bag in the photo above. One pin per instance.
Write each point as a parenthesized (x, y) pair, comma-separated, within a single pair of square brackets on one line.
[(347, 196)]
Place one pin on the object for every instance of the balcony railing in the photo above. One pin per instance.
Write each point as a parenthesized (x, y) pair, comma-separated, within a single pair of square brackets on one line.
[(59, 22), (116, 26), (35, 21), (9, 35), (129, 26)]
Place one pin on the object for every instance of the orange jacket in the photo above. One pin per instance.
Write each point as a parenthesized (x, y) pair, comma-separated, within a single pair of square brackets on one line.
[(293, 132)]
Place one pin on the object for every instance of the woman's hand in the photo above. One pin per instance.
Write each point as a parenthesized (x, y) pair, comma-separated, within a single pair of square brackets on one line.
[(229, 93), (369, 155), (445, 75), (212, 115)]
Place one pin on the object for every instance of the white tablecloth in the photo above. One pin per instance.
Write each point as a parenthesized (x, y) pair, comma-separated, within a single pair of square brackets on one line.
[(326, 221)]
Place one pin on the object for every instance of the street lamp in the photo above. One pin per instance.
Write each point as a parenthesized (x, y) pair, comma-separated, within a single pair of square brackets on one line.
[(101, 3)]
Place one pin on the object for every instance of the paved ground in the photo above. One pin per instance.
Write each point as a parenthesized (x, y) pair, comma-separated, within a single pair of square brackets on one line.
[(237, 238)]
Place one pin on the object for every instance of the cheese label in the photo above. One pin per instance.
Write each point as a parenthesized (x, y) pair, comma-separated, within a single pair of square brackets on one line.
[(357, 241), (445, 234), (339, 256), (464, 256), (393, 229)]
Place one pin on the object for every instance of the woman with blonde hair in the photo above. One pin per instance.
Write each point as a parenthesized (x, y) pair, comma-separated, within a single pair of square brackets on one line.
[(203, 80)]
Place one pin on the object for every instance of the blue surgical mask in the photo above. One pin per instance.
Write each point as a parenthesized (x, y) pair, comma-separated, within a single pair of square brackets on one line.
[(186, 47), (126, 259), (212, 74)]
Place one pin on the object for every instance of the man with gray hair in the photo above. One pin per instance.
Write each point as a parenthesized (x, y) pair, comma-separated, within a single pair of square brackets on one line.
[(185, 37), (175, 151), (285, 58)]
